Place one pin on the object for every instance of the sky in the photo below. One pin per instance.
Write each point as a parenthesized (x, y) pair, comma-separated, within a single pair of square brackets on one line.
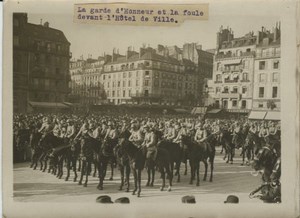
[(95, 40)]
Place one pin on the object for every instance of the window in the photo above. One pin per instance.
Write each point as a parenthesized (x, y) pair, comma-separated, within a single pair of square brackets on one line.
[(274, 92), (47, 83), (262, 65), (124, 83), (147, 73), (260, 105), (108, 85), (124, 93), (146, 82), (244, 90), (219, 78), (16, 22), (234, 103), (245, 76), (129, 83), (119, 83), (124, 75), (235, 90), (137, 82), (16, 40), (261, 92), (225, 90), (262, 77), (276, 65), (244, 104), (57, 71), (48, 47), (275, 77), (146, 92), (156, 83), (218, 89), (147, 63), (129, 74), (129, 92), (113, 93)]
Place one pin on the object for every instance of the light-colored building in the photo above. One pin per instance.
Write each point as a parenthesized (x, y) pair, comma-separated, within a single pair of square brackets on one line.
[(233, 71), (266, 86), (151, 77)]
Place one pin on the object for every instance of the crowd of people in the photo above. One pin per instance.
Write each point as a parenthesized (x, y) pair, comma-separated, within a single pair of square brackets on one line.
[(142, 128)]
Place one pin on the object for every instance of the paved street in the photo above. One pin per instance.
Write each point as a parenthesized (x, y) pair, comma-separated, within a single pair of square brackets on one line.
[(36, 186)]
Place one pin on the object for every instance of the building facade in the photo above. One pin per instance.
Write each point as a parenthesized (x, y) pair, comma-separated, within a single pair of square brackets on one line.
[(236, 72), (167, 75), (40, 64), (266, 90)]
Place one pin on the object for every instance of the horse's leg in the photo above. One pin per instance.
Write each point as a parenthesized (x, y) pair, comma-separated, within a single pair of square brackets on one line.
[(197, 172), (45, 163), (135, 180), (61, 168), (152, 175), (139, 175), (149, 174), (185, 165), (68, 169), (163, 176), (232, 155), (170, 177), (79, 166), (211, 160), (122, 169), (112, 170), (88, 167), (74, 168), (100, 172), (41, 161), (127, 176), (83, 168), (205, 167), (178, 171), (243, 155), (192, 172)]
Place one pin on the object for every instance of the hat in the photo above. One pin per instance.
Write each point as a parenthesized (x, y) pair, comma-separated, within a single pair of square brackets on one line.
[(232, 199), (104, 199), (123, 200), (146, 126), (190, 199)]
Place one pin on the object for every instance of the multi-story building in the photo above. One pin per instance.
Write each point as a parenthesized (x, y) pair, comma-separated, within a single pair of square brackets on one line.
[(233, 70), (151, 77), (167, 75), (266, 86), (40, 65)]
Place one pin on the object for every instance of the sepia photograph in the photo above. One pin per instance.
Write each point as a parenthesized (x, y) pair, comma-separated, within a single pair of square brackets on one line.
[(132, 114)]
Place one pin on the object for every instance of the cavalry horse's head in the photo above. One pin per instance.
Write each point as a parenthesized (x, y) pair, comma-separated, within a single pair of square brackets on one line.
[(264, 161)]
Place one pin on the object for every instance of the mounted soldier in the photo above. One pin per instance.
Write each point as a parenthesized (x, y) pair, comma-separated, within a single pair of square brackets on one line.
[(136, 136), (149, 144)]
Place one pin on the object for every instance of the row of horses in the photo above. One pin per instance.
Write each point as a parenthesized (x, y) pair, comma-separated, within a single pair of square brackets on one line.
[(53, 153)]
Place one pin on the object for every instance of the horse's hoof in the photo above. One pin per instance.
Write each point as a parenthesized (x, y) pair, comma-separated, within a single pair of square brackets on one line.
[(231, 162), (127, 190), (139, 195), (185, 173), (66, 179), (197, 184), (111, 179), (133, 193), (242, 164), (79, 183), (94, 175), (204, 179), (59, 177), (147, 184), (120, 189), (169, 189), (161, 188), (178, 180), (210, 180), (99, 187), (84, 185), (34, 168), (74, 180), (191, 183), (151, 184), (227, 161)]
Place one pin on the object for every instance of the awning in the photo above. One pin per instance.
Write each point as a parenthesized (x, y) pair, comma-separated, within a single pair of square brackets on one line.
[(199, 110), (234, 61), (273, 115), (47, 104), (180, 110), (214, 111), (257, 115)]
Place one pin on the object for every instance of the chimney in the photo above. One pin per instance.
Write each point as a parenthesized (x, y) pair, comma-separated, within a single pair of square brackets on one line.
[(46, 24)]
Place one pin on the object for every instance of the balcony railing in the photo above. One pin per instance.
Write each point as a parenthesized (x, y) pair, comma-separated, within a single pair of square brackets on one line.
[(228, 95), (242, 54), (144, 95), (231, 80)]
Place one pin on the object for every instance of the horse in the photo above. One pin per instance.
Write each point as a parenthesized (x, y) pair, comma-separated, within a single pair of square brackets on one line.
[(175, 152), (89, 152), (137, 158), (36, 150), (250, 147), (200, 152), (72, 158), (268, 161), (226, 142), (22, 139), (47, 143), (57, 157), (123, 161)]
